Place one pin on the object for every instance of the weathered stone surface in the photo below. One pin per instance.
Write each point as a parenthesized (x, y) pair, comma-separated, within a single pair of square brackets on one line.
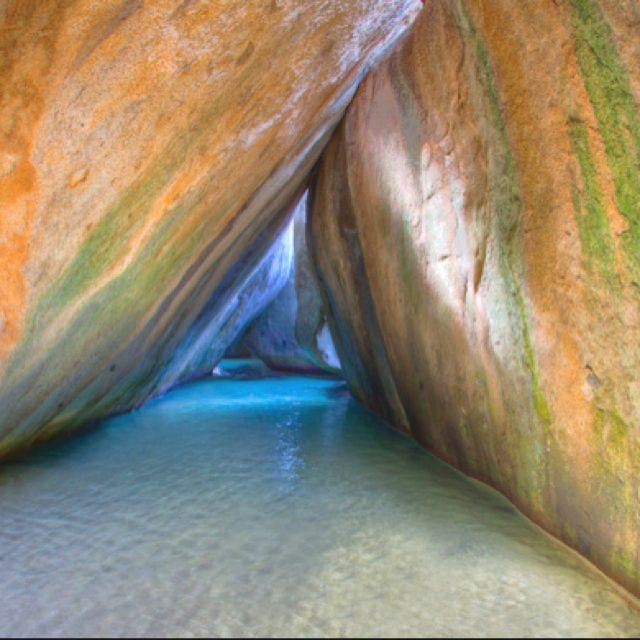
[(476, 225), (292, 333), (236, 303), (147, 151)]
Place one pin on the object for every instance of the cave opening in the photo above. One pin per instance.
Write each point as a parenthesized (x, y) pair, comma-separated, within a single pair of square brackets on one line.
[(265, 384)]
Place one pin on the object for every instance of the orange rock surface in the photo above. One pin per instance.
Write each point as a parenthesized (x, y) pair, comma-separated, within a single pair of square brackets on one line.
[(476, 226), (148, 150)]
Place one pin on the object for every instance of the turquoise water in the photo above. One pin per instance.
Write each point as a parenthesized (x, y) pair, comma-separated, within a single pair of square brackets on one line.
[(275, 506)]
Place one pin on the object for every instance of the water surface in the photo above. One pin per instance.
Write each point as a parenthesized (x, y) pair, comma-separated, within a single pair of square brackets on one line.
[(276, 506)]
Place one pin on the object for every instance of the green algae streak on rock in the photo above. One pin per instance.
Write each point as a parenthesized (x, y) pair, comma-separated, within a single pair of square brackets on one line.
[(476, 227), (149, 153)]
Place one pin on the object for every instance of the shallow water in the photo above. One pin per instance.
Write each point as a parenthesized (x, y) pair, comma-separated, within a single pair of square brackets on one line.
[(275, 506)]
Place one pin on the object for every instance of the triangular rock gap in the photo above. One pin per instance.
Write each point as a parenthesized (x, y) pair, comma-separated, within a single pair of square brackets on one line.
[(152, 151), (292, 332)]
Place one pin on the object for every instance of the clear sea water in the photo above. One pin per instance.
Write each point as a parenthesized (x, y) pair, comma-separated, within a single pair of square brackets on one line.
[(276, 506)]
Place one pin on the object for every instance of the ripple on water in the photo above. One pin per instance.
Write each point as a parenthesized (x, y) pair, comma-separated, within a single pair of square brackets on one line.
[(276, 506)]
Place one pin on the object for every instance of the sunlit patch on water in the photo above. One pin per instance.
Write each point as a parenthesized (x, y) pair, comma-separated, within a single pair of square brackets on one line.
[(275, 506)]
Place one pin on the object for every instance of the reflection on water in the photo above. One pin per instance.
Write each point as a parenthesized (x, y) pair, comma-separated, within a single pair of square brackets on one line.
[(275, 506), (287, 451)]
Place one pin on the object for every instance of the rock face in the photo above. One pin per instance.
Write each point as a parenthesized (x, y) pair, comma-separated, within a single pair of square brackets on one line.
[(476, 226), (148, 150), (235, 303), (292, 333)]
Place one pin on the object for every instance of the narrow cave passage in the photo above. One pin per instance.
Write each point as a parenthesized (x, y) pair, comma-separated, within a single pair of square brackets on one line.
[(254, 503)]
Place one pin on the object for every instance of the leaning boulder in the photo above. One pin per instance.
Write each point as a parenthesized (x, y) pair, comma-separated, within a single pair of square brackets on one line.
[(147, 151), (476, 226)]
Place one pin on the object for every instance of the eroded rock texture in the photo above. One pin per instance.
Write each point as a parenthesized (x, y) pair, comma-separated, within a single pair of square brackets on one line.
[(147, 151), (242, 295), (292, 333), (476, 228)]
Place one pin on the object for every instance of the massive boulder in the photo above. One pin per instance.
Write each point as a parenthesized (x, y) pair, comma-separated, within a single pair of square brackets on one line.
[(476, 226), (292, 333), (148, 150)]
